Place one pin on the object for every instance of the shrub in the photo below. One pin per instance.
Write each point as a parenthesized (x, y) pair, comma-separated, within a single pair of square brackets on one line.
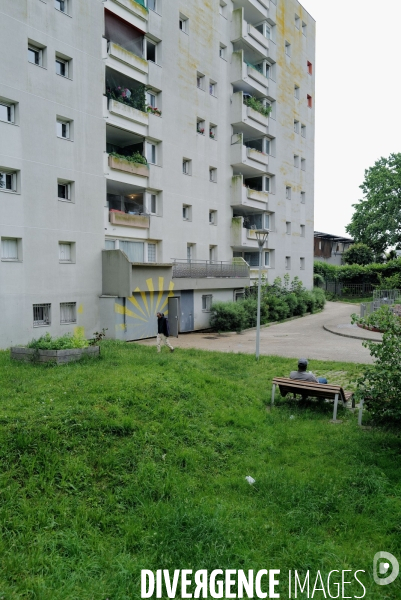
[(277, 307), (65, 342), (380, 383), (358, 254), (320, 297), (228, 316)]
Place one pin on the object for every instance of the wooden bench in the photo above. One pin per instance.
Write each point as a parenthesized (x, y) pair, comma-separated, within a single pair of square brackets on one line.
[(315, 390)]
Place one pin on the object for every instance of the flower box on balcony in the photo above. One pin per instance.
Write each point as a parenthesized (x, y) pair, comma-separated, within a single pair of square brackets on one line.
[(121, 164), (120, 218)]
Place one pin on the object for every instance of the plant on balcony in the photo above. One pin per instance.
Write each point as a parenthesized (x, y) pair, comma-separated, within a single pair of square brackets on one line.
[(153, 110), (136, 157), (211, 134), (132, 97), (200, 130), (257, 105)]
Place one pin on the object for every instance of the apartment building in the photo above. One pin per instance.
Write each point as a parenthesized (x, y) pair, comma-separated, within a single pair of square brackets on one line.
[(142, 144)]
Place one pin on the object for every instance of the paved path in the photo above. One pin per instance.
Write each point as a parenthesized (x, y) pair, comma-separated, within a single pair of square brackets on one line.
[(304, 337)]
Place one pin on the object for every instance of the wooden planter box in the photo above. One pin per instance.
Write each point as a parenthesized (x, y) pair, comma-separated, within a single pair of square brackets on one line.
[(129, 167), (56, 356)]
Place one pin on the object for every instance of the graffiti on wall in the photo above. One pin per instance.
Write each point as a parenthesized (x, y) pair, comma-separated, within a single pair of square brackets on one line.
[(136, 315)]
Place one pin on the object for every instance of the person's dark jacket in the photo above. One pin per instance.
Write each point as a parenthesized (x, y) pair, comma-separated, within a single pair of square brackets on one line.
[(162, 326)]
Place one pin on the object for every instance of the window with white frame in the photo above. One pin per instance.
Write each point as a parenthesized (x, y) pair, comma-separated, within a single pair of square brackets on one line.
[(288, 48), (183, 23), (151, 99), (133, 250), (212, 131), (65, 252), (153, 204), (151, 153), (64, 190), (302, 230), (223, 51), (288, 192), (287, 262), (303, 131), (68, 312), (252, 258), (151, 50), (41, 315), (302, 263), (212, 88), (296, 126), (303, 164), (212, 253), (207, 300), (186, 212), (288, 227), (35, 55), (200, 126), (63, 129), (296, 91), (151, 253), (213, 217), (239, 295), (61, 5), (267, 221), (303, 197), (9, 249), (8, 181), (186, 166), (200, 81), (267, 259), (213, 174), (296, 161), (110, 244), (266, 184), (190, 252), (62, 67), (7, 112)]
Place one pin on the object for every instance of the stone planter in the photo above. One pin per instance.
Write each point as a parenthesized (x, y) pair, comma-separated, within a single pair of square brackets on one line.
[(141, 221), (120, 164), (56, 356)]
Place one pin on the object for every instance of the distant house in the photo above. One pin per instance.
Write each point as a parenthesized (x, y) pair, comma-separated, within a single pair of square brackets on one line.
[(330, 248)]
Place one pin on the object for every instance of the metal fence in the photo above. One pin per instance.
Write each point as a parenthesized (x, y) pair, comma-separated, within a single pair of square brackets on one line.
[(391, 298), (199, 269), (348, 290)]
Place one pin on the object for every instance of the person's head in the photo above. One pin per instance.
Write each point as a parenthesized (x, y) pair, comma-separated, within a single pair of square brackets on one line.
[(302, 364), (159, 315)]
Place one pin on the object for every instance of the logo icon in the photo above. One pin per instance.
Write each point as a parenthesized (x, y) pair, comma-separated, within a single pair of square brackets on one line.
[(381, 564)]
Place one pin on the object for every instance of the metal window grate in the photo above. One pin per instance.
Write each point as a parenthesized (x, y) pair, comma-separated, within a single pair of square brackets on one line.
[(41, 315), (68, 312)]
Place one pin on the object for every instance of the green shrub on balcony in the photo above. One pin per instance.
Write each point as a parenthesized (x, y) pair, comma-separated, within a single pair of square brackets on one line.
[(257, 105), (137, 157), (132, 97)]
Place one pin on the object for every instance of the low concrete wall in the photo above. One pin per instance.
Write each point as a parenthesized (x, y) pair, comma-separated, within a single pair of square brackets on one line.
[(56, 356)]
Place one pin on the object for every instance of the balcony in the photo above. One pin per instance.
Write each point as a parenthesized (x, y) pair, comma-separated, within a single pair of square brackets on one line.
[(248, 161), (254, 10), (125, 41), (247, 38), (243, 230), (129, 58), (247, 79), (126, 210), (136, 8), (197, 269), (119, 109), (127, 220), (247, 199), (245, 119), (123, 164)]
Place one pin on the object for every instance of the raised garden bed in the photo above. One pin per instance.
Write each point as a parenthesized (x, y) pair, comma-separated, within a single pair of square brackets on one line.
[(56, 356)]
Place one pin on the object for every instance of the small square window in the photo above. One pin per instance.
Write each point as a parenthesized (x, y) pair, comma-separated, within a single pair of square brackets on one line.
[(296, 126), (304, 28), (151, 99), (41, 315), (309, 67), (309, 100), (35, 55), (64, 191), (302, 263), (212, 131), (186, 166), (68, 312), (8, 181), (9, 249), (288, 48), (61, 5), (62, 67), (207, 302), (296, 91), (212, 88), (150, 50), (63, 129), (288, 228), (303, 131), (151, 253), (288, 192), (213, 174), (213, 217), (302, 230), (288, 262), (200, 81), (302, 197), (186, 212), (200, 126), (7, 112), (65, 252), (223, 51), (297, 21), (303, 164), (296, 161), (183, 23)]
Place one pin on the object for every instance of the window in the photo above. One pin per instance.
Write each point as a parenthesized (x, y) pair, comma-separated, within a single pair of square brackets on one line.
[(223, 51), (212, 131), (200, 81), (153, 204), (110, 244), (212, 88), (41, 315), (61, 5), (212, 174), (35, 55), (152, 253), (151, 99), (212, 253), (288, 192), (302, 263), (304, 28), (223, 9), (190, 252), (303, 131), (63, 190), (288, 48), (252, 258), (68, 312), (309, 100), (152, 4), (151, 153), (62, 67), (296, 91), (303, 164), (302, 197), (287, 262), (239, 295), (186, 166), (302, 230), (65, 252), (207, 302), (296, 126), (320, 244), (267, 259), (200, 126), (9, 249), (309, 66), (150, 50), (8, 181), (183, 23), (296, 161), (186, 212), (213, 217), (297, 21), (288, 228), (63, 129), (6, 112), (133, 250)]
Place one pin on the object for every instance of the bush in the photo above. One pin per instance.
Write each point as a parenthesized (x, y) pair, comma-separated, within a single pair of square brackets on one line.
[(65, 342), (228, 316), (320, 297), (358, 254), (380, 383), (277, 307)]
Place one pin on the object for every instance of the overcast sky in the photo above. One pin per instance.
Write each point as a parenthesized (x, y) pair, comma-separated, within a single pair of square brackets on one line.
[(358, 100)]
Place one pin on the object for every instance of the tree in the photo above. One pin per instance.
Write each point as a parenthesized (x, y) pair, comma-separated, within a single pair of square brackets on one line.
[(377, 218), (358, 254)]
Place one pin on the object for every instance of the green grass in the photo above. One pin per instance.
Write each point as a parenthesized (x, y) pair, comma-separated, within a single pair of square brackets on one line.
[(138, 461), (356, 300)]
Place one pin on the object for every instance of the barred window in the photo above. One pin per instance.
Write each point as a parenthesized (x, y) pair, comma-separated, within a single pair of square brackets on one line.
[(68, 312), (41, 315)]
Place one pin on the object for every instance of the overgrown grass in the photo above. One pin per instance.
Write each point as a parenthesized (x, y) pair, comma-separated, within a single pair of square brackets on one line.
[(138, 460)]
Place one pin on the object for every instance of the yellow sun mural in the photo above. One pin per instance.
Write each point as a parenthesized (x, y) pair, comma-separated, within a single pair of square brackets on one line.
[(136, 315)]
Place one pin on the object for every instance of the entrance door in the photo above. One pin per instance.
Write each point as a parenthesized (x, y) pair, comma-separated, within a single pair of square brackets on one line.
[(187, 310), (173, 316)]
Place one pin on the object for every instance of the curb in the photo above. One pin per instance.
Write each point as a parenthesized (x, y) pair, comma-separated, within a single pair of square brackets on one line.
[(347, 335)]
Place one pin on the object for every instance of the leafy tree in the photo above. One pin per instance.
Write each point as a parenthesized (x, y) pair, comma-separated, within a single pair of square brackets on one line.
[(358, 254), (377, 218)]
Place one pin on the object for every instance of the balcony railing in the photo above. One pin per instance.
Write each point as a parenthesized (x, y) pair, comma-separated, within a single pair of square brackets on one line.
[(200, 269)]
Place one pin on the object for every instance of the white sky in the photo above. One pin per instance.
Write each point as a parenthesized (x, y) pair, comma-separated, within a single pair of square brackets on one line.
[(358, 93)]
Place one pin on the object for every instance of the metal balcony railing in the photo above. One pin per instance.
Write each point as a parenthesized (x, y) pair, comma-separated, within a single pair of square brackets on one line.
[(200, 269)]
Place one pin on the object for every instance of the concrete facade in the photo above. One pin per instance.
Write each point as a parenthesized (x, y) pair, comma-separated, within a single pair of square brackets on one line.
[(217, 167)]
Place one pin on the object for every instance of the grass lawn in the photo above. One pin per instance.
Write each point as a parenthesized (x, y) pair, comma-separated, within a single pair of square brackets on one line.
[(356, 300), (138, 461)]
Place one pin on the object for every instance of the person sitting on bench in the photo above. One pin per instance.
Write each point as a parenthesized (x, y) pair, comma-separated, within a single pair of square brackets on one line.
[(302, 375)]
